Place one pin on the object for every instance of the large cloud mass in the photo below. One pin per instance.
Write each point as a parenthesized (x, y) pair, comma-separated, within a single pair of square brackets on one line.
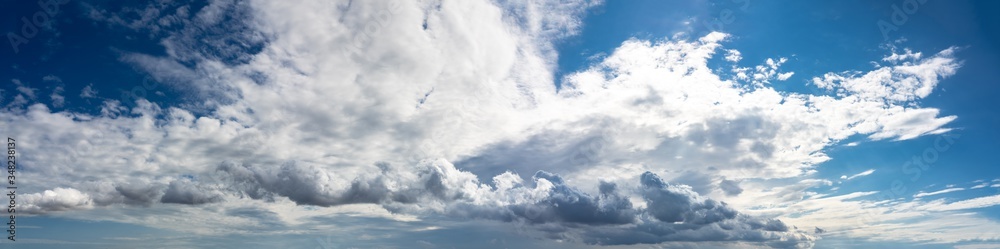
[(414, 105)]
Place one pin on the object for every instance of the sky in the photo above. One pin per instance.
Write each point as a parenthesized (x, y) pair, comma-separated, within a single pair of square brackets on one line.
[(502, 123)]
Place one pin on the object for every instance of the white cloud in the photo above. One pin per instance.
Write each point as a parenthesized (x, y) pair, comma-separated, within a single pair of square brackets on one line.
[(785, 76), (88, 92), (733, 55), (864, 216), (761, 74), (912, 123), (424, 85), (980, 202), (52, 78), (58, 199), (57, 99), (948, 190), (906, 55), (905, 81), (24, 89), (864, 173)]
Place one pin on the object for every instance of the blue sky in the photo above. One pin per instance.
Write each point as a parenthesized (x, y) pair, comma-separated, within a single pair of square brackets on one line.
[(504, 124)]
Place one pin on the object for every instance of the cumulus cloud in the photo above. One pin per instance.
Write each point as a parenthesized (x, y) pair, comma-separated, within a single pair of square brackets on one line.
[(138, 193), (58, 199), (185, 192), (900, 81), (332, 104), (733, 55), (671, 212), (907, 55), (758, 122)]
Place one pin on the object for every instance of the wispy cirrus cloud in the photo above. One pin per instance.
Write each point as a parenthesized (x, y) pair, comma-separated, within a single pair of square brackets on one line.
[(947, 190), (863, 173)]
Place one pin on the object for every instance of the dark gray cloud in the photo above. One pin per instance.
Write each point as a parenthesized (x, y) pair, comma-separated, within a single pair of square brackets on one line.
[(568, 204), (547, 204), (700, 182), (186, 192), (673, 203), (139, 194), (730, 187), (312, 185)]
